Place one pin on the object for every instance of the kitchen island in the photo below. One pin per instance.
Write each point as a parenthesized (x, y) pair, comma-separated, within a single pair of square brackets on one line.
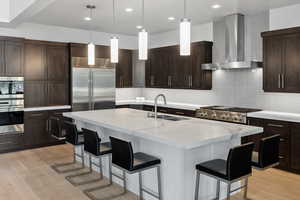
[(179, 144)]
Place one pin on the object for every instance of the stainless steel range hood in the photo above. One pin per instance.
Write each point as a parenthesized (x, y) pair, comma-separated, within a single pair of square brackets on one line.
[(232, 31)]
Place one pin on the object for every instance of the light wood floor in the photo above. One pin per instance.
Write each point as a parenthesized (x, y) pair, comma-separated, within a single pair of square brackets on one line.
[(27, 175)]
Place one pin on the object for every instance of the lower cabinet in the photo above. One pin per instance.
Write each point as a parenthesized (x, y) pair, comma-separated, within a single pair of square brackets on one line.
[(289, 149), (11, 142), (37, 128)]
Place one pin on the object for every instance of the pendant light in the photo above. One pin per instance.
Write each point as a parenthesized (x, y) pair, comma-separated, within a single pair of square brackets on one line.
[(91, 45), (114, 41), (185, 34), (143, 37)]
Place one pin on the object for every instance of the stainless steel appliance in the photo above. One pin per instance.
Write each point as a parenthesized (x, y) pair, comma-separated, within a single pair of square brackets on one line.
[(224, 113), (93, 87), (11, 105)]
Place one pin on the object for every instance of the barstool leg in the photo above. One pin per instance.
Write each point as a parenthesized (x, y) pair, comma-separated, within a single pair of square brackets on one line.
[(246, 188), (141, 186), (90, 162), (197, 185), (101, 167), (82, 156), (109, 169), (218, 190), (228, 191), (125, 183), (159, 183)]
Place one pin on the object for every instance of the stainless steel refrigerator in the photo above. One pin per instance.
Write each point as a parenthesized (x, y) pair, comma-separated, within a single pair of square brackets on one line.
[(93, 87)]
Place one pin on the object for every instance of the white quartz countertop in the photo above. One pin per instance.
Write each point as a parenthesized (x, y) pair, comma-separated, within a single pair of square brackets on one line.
[(184, 106), (47, 108), (281, 116), (187, 134)]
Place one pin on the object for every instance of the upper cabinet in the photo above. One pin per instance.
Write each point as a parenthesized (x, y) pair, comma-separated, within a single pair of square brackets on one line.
[(281, 60), (124, 69), (11, 56), (46, 73), (165, 68)]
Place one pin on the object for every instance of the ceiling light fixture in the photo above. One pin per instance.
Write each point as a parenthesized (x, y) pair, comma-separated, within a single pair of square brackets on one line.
[(139, 27), (114, 41), (91, 46), (87, 19), (185, 34), (171, 18), (216, 6), (143, 37), (128, 9)]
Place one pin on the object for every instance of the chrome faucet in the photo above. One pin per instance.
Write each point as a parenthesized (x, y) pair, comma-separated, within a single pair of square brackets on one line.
[(155, 103)]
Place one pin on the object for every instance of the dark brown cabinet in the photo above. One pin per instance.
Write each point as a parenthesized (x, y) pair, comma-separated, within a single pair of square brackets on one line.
[(124, 69), (165, 68), (47, 73), (12, 56), (37, 128), (289, 148), (281, 60)]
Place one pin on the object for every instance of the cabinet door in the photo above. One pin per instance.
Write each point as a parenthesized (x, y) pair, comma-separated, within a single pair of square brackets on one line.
[(57, 63), (291, 63), (201, 53), (257, 137), (273, 58), (295, 147), (57, 93), (2, 58), (34, 62), (124, 69), (14, 58), (35, 128), (35, 94), (273, 127)]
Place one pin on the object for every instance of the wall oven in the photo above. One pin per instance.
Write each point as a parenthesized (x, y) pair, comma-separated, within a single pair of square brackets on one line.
[(11, 105)]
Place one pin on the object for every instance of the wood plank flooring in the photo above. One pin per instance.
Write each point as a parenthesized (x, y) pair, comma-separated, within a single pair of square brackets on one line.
[(27, 175)]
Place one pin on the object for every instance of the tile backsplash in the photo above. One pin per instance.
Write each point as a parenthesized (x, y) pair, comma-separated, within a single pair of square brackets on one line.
[(230, 88)]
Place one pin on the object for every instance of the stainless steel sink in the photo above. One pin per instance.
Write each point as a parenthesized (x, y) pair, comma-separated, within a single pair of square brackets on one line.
[(167, 117)]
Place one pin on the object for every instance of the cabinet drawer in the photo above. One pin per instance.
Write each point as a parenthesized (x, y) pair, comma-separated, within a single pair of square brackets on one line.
[(10, 142), (36, 114), (277, 127)]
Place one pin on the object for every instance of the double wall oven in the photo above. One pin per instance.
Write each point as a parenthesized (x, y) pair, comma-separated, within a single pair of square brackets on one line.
[(11, 105)]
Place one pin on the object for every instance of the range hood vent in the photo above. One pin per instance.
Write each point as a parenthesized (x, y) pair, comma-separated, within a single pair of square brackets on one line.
[(233, 31)]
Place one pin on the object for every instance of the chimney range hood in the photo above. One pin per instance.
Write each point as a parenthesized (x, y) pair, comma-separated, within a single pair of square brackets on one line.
[(232, 43)]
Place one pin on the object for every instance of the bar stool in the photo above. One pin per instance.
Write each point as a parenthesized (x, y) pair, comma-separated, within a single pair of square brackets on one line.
[(93, 147), (127, 161), (236, 168), (75, 138), (55, 128), (268, 153)]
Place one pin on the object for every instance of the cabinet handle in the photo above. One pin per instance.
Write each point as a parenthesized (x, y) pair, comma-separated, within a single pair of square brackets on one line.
[(282, 140), (279, 81), (47, 124), (282, 81), (4, 143), (276, 125), (163, 111), (37, 115), (180, 113), (191, 81), (281, 157)]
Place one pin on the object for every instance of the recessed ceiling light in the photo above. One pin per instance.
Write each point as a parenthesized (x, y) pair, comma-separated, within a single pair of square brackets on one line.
[(87, 18), (216, 6), (129, 9), (139, 27), (171, 18)]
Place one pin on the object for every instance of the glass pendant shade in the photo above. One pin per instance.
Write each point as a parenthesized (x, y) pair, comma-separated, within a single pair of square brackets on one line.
[(185, 37), (91, 54), (114, 50), (143, 45)]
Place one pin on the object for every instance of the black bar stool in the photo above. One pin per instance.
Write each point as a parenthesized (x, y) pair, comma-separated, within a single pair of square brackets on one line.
[(127, 161), (55, 128), (236, 168), (93, 147), (75, 138), (268, 153)]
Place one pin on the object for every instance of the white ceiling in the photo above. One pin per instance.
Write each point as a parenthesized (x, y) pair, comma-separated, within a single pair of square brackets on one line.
[(70, 13)]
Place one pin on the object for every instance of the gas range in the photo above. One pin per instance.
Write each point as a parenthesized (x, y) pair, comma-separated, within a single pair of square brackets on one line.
[(225, 113)]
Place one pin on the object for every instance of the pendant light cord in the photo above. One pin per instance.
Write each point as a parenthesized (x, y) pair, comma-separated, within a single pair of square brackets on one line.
[(91, 17), (184, 7), (114, 14), (143, 13)]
